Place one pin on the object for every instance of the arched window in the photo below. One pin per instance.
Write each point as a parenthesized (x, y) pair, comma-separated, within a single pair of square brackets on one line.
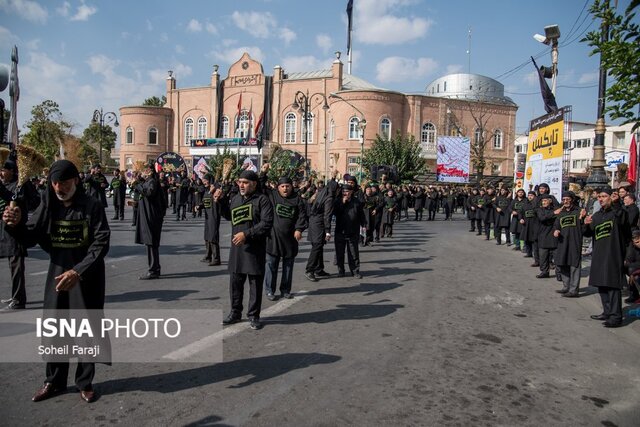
[(497, 139), (225, 127), (202, 127), (309, 136), (244, 125), (477, 136), (290, 128), (385, 128), (188, 131), (332, 131), (129, 135), (354, 131), (428, 137), (153, 136)]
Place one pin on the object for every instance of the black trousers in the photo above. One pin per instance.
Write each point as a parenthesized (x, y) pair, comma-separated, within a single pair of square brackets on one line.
[(378, 225), (118, 210), (135, 214), (479, 227), (473, 225), (432, 213), (350, 242), (58, 372), (418, 214), (498, 234), (153, 257), (18, 289), (545, 256), (213, 251), (611, 303), (236, 290), (315, 263)]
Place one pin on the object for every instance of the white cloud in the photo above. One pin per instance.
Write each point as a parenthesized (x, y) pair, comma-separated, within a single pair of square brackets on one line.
[(33, 44), (294, 64), (374, 25), (7, 39), (101, 64), (287, 35), (194, 26), (164, 37), (588, 78), (179, 49), (230, 56), (398, 69), (531, 78), (125, 35), (84, 12), (26, 9), (211, 29), (149, 26), (64, 9), (179, 71), (454, 68), (259, 25), (324, 42), (228, 42)]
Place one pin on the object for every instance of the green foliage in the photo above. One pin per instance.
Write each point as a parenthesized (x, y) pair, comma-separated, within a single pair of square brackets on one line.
[(284, 163), (216, 163), (620, 56), (47, 129), (92, 136), (399, 151), (154, 101)]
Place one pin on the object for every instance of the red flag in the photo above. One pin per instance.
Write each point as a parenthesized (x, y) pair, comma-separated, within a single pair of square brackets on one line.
[(239, 112), (248, 135), (633, 161)]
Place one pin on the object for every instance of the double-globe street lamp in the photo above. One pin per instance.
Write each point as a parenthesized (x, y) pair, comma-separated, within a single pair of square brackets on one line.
[(302, 103), (362, 124), (101, 117)]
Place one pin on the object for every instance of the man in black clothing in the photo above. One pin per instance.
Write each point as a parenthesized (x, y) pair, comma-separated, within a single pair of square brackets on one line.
[(251, 216), (349, 218), (568, 255), (319, 209), (546, 241), (212, 207), (119, 191), (151, 210), (633, 214), (96, 184)]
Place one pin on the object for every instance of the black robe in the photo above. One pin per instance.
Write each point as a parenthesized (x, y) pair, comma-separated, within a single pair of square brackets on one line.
[(319, 214), (96, 185), (546, 219), (349, 217), (633, 214), (253, 216), (212, 217), (472, 203), (481, 206), (119, 187), (389, 208), (502, 218), (289, 216), (569, 250), (610, 232), (151, 210), (489, 209), (517, 206), (529, 231)]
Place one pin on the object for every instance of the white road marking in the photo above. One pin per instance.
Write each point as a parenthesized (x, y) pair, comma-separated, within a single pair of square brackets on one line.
[(107, 260), (38, 273), (229, 331)]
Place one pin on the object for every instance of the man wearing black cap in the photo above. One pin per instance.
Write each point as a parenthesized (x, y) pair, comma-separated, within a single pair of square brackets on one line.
[(212, 205), (349, 218), (610, 232), (568, 255), (119, 188), (151, 209), (73, 229), (10, 247), (96, 184), (529, 232), (547, 243), (251, 216), (320, 210), (289, 221)]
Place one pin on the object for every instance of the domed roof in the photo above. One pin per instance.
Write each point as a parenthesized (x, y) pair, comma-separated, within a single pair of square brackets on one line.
[(470, 87)]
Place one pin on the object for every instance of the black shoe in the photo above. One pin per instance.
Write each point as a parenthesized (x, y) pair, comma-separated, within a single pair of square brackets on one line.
[(498, 243), (231, 319), (205, 260), (562, 291), (486, 238), (599, 317), (271, 297), (322, 273), (629, 300), (254, 323), (340, 273), (535, 264), (14, 305), (608, 324), (286, 295), (357, 275), (114, 218), (528, 256), (214, 263), (149, 276), (571, 295), (377, 240), (310, 276), (509, 244), (472, 231), (6, 301), (542, 276)]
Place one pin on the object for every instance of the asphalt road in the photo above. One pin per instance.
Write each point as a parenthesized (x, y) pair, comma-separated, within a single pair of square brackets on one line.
[(445, 328)]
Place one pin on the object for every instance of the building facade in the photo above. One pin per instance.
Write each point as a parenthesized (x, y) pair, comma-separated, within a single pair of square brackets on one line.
[(344, 116)]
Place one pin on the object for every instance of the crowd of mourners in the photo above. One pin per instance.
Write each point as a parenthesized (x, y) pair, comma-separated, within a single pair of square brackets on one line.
[(64, 213)]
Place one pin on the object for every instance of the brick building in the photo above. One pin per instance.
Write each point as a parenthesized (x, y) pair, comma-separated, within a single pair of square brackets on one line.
[(231, 107)]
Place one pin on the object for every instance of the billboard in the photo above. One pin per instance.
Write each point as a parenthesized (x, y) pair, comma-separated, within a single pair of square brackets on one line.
[(170, 163), (544, 152), (453, 159)]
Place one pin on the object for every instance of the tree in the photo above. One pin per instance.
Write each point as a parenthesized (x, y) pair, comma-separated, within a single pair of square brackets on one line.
[(79, 152), (94, 134), (399, 151), (154, 101), (620, 56), (285, 163), (47, 129)]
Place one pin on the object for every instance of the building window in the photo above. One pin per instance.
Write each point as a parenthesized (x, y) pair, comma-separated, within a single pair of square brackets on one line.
[(332, 131), (580, 164), (202, 128), (385, 128), (497, 140), (477, 136), (618, 139), (129, 135), (582, 143), (225, 127), (353, 165), (428, 137), (290, 128), (128, 162), (244, 125), (188, 131), (354, 132), (445, 86), (309, 136), (153, 136)]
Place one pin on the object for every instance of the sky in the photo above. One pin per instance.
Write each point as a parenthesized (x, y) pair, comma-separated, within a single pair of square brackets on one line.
[(90, 54)]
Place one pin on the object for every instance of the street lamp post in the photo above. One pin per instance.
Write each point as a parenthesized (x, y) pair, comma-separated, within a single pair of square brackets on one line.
[(551, 36), (101, 117), (302, 103), (362, 124)]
